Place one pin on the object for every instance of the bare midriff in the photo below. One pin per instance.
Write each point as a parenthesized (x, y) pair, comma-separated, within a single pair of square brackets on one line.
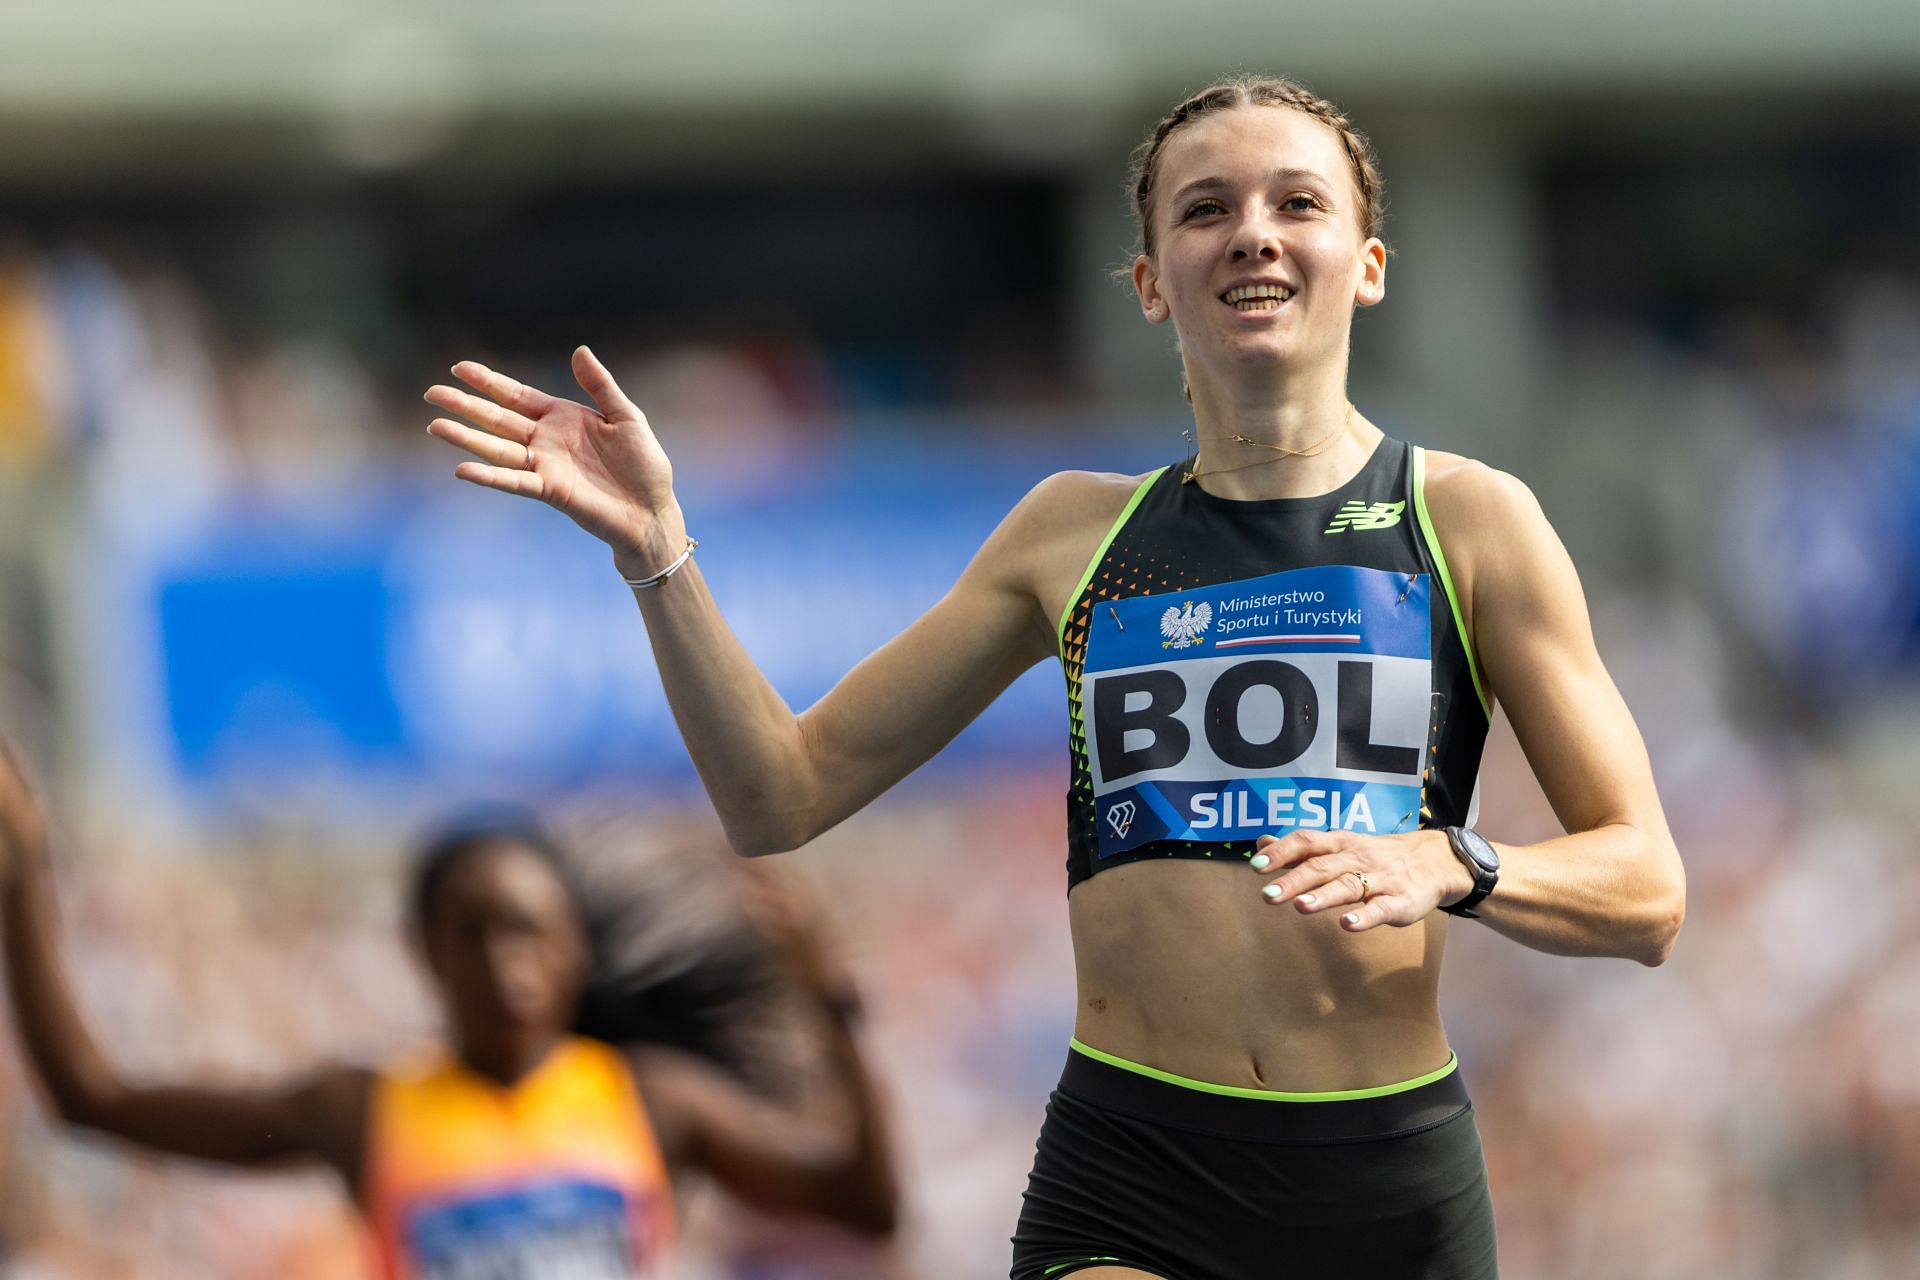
[(1182, 966)]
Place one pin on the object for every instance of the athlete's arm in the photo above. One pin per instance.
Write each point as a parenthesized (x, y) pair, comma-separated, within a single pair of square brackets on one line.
[(1612, 886), (831, 1155), (316, 1117), (771, 1157), (776, 779)]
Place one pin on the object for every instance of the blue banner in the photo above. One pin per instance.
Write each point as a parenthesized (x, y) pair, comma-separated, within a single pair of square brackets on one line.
[(432, 640)]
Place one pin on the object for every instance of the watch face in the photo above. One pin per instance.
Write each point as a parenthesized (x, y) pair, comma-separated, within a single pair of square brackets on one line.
[(1478, 849)]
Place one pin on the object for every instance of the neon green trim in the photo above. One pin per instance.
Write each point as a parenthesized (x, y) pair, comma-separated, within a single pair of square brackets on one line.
[(1446, 579), (1099, 552), (1269, 1095)]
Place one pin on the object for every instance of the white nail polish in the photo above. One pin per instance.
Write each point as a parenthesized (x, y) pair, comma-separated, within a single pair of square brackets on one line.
[(1272, 893), (1352, 917), (1306, 898), (1261, 862)]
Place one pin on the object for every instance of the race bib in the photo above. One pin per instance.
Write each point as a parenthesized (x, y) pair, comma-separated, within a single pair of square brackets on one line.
[(1296, 700), (543, 1231)]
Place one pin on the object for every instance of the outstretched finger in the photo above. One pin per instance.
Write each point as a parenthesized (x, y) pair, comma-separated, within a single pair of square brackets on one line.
[(1339, 891), (1296, 847), (487, 448), (501, 421), (1313, 880), (517, 396), (1368, 915), (598, 383), (506, 479)]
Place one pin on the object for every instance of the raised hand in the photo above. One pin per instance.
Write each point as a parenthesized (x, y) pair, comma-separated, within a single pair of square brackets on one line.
[(603, 468)]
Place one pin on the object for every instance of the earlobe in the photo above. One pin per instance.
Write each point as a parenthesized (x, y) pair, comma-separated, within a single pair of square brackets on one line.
[(1373, 274), (1146, 282)]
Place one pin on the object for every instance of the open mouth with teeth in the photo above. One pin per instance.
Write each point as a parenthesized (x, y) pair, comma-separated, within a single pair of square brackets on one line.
[(1257, 297)]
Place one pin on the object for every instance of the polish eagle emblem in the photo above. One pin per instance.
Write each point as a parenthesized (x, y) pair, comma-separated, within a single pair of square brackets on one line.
[(1182, 627)]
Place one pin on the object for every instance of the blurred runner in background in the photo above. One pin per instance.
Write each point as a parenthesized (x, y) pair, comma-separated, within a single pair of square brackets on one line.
[(521, 1149), (684, 939)]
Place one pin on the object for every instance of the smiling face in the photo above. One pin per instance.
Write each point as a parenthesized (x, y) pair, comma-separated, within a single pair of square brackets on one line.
[(1260, 252)]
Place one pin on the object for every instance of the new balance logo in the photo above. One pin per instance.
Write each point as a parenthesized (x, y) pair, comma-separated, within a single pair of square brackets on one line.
[(1358, 515)]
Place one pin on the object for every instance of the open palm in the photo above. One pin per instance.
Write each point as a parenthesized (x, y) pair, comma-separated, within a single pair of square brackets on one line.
[(603, 468)]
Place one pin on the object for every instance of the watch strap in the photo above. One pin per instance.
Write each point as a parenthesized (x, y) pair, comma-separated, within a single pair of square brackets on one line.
[(1483, 878)]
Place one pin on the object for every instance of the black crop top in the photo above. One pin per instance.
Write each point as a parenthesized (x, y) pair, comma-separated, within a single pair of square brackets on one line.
[(1242, 668)]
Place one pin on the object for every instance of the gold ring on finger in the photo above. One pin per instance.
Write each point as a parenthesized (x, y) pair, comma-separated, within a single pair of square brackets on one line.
[(1361, 876)]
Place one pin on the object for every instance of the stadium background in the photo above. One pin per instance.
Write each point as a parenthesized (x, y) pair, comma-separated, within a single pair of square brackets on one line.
[(1661, 260)]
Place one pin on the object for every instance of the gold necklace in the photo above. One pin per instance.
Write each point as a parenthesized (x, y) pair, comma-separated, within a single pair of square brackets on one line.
[(1279, 451)]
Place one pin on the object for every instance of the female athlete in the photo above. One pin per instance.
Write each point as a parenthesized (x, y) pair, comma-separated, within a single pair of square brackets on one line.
[(1280, 653), (522, 1151)]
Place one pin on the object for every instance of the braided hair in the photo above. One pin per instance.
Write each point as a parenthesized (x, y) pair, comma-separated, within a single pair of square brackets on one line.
[(1253, 91)]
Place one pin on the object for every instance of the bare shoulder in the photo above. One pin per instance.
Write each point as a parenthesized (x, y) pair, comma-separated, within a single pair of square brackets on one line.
[(1057, 528), (1501, 551), (1467, 493), (1483, 516), (334, 1106), (1061, 509), (1068, 501)]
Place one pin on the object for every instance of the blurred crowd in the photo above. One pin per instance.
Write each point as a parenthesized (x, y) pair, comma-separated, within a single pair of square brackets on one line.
[(1748, 1110), (117, 362)]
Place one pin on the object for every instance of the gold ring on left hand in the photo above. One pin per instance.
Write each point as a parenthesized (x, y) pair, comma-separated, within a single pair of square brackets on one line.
[(1361, 876)]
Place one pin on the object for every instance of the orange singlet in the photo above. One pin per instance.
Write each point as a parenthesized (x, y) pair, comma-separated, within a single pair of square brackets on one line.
[(557, 1176)]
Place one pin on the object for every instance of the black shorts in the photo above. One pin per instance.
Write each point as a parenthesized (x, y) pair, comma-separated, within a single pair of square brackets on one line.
[(1140, 1169)]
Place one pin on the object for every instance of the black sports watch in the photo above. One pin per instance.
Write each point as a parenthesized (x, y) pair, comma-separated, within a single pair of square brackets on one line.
[(1472, 848)]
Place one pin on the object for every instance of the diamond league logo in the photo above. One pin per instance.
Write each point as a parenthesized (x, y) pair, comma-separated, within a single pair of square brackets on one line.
[(1120, 818)]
